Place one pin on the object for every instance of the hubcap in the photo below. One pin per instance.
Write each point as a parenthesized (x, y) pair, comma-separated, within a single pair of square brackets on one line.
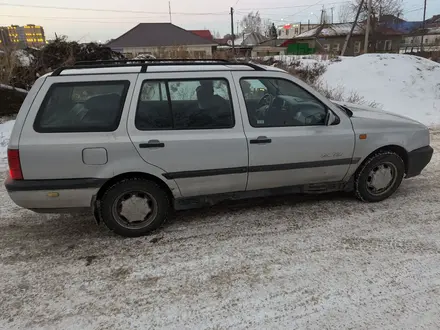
[(135, 209), (381, 178)]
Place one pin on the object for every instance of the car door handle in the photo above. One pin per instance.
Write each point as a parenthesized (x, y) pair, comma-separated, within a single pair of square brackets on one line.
[(152, 144), (260, 140)]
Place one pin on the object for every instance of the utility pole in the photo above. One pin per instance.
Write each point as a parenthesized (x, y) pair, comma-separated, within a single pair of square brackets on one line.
[(367, 30), (232, 31), (347, 39), (423, 28), (169, 10), (332, 8)]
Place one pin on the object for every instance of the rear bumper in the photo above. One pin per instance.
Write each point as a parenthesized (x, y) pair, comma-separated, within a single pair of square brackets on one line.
[(53, 195), (417, 160)]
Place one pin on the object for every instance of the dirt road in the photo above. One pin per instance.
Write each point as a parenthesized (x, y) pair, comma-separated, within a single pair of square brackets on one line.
[(290, 262)]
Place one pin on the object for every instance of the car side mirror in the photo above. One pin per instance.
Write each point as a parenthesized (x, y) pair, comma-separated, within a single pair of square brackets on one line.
[(332, 119)]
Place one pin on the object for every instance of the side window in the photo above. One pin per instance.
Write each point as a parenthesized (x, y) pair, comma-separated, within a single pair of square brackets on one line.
[(153, 91), (153, 110), (183, 90), (82, 107), (192, 104), (283, 103)]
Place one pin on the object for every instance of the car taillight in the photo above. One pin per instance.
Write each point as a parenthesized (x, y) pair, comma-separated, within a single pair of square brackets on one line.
[(14, 164)]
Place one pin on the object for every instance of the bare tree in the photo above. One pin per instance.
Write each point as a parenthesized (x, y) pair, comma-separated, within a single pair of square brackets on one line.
[(379, 8), (216, 34), (252, 22), (345, 13)]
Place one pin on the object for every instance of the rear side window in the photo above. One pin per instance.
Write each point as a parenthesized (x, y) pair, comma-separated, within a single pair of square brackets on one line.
[(82, 107), (184, 104)]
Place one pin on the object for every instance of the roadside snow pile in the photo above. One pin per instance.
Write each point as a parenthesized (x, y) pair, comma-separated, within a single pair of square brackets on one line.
[(24, 57), (5, 133), (302, 61), (404, 84)]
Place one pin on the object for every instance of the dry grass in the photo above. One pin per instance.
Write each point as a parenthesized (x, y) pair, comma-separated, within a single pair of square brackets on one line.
[(8, 63), (338, 94)]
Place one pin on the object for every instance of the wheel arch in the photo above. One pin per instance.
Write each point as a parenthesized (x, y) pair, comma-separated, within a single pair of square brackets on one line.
[(400, 151), (130, 175)]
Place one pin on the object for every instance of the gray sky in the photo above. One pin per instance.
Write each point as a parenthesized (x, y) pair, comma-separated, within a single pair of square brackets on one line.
[(102, 25)]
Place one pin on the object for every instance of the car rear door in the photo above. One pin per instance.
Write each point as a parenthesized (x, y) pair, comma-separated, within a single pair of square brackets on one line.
[(288, 140), (200, 146)]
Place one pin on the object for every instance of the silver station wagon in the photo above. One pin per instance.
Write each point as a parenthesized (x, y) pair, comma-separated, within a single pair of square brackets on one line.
[(131, 140)]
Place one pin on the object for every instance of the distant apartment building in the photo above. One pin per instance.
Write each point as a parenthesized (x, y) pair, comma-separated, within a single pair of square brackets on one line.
[(4, 37), (22, 36)]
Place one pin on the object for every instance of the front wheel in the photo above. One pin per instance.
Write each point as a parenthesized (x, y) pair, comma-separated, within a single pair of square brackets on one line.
[(134, 207), (379, 177)]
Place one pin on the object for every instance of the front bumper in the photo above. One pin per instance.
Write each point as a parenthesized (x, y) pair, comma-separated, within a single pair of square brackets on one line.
[(417, 160)]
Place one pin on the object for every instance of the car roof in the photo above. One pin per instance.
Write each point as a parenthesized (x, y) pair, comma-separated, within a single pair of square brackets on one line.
[(68, 71)]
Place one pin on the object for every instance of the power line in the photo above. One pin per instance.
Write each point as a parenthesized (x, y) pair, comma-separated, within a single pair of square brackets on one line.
[(288, 7), (412, 10), (81, 18), (298, 12), (74, 19), (302, 10), (108, 10)]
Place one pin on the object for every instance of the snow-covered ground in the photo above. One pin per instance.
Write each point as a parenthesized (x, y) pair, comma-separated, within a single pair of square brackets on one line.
[(5, 133), (403, 84), (278, 263), (302, 60)]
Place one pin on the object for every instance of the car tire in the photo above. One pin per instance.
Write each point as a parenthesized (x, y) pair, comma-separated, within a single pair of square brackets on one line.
[(371, 181), (134, 207)]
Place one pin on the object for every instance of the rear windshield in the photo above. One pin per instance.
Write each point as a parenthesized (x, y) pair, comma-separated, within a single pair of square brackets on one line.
[(82, 107)]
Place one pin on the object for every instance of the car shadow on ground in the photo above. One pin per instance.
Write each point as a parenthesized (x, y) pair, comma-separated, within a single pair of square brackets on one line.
[(67, 230), (259, 203)]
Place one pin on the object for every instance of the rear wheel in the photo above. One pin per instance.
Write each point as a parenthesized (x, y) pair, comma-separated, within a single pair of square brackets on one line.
[(134, 207), (379, 177)]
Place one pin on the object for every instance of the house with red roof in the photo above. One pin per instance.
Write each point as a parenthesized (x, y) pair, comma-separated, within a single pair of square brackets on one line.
[(205, 34)]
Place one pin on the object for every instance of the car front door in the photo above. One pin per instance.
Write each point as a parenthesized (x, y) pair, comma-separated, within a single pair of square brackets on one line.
[(192, 129), (289, 140)]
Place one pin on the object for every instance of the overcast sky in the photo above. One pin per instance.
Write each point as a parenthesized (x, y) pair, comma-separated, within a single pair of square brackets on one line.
[(190, 14)]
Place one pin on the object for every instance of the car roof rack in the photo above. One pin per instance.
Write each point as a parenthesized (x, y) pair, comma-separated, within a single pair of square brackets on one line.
[(145, 63)]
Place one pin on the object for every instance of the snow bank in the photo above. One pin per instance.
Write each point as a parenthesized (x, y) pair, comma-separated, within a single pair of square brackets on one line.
[(403, 84), (5, 133), (24, 57), (288, 59)]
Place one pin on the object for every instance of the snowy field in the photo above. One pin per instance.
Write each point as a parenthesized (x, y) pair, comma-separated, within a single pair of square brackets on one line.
[(290, 262)]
